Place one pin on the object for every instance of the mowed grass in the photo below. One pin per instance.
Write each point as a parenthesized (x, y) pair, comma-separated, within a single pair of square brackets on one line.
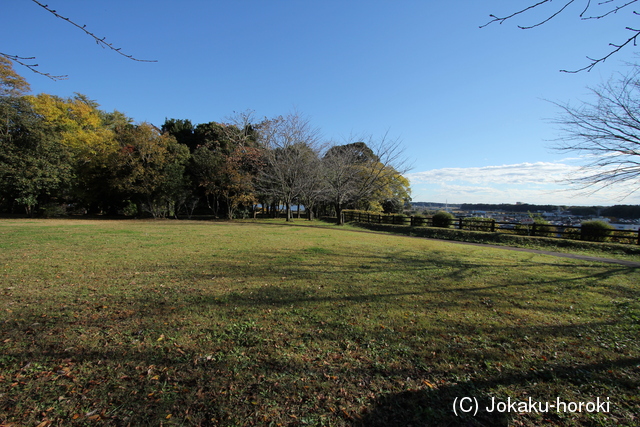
[(232, 324)]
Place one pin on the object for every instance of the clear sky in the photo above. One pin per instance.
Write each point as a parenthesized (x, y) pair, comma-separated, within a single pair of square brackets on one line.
[(470, 105)]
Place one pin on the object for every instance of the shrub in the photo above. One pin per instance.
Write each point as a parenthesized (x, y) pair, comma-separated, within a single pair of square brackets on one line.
[(477, 224), (595, 231), (542, 228), (628, 237), (442, 219), (52, 210), (393, 206), (570, 233)]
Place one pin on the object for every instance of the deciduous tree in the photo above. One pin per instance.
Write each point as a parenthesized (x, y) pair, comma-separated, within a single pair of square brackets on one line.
[(34, 167), (607, 132), (288, 142), (225, 166), (11, 83), (361, 172), (149, 168)]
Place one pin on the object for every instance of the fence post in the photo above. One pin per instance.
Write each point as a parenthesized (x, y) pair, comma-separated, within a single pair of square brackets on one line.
[(411, 221), (638, 242), (493, 225), (460, 223), (533, 228)]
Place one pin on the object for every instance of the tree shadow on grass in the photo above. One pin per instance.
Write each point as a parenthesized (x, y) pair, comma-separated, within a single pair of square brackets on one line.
[(130, 366), (421, 275), (442, 405)]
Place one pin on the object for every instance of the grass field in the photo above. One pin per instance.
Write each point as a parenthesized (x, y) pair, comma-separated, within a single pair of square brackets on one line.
[(184, 323)]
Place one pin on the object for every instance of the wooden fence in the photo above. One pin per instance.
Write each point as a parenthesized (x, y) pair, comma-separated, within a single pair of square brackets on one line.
[(493, 226)]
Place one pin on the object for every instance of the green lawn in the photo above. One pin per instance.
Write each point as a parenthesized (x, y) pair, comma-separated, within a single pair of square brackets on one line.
[(221, 323)]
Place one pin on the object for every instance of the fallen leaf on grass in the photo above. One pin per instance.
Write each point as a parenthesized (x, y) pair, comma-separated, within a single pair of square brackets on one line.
[(428, 384)]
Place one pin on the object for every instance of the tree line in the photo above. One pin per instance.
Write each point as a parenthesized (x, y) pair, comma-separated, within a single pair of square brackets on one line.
[(62, 155)]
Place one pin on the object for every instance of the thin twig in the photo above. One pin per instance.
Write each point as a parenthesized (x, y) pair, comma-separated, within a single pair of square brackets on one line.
[(20, 60), (99, 40), (501, 20), (612, 10), (594, 62)]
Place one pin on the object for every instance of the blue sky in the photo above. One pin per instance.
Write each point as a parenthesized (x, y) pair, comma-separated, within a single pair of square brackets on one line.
[(470, 105)]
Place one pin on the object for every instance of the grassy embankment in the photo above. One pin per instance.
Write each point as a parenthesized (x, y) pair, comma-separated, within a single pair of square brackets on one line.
[(625, 251), (196, 323)]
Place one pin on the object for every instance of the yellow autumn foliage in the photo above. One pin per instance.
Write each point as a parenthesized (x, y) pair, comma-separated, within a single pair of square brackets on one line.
[(78, 122)]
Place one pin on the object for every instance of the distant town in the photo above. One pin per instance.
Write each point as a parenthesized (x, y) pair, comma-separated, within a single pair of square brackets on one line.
[(620, 217)]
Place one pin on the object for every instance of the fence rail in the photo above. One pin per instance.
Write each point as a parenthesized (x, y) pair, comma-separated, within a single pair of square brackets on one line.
[(493, 226)]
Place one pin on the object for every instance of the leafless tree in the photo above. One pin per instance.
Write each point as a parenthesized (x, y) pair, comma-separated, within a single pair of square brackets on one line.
[(101, 41), (607, 132), (291, 143), (312, 186), (243, 128), (356, 171), (588, 11)]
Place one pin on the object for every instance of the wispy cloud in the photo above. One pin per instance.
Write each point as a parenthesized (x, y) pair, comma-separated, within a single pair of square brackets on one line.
[(539, 182), (522, 173)]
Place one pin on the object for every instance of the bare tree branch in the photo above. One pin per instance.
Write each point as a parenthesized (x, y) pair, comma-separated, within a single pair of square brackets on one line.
[(20, 60), (614, 10), (607, 133), (612, 7), (355, 171), (292, 144), (549, 18), (502, 20), (595, 62), (99, 40)]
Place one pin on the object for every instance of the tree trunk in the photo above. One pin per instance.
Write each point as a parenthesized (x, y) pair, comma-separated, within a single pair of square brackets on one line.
[(340, 220)]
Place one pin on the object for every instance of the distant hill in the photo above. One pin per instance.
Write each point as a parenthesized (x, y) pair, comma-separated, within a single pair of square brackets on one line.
[(522, 207), (431, 204)]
